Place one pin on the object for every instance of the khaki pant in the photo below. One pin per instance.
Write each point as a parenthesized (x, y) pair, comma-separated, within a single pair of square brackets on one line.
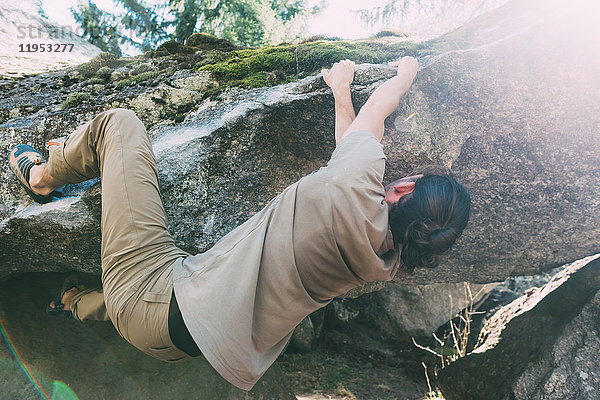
[(137, 249)]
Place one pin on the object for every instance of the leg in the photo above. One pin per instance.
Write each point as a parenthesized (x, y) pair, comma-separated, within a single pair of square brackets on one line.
[(115, 146), (41, 181), (85, 304), (135, 239)]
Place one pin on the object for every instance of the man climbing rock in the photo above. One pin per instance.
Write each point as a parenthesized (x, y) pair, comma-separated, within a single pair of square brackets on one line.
[(238, 303)]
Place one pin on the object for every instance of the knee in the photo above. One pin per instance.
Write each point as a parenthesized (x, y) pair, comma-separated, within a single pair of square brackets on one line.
[(125, 120), (122, 114)]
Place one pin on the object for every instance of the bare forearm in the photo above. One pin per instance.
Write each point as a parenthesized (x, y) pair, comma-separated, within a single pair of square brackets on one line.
[(385, 98), (344, 111)]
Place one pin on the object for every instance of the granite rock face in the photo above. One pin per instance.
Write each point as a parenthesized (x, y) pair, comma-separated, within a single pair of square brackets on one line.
[(401, 312), (504, 102), (544, 345)]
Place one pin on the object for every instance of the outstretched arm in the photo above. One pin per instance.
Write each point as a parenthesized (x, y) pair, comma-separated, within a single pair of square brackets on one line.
[(384, 100), (339, 78)]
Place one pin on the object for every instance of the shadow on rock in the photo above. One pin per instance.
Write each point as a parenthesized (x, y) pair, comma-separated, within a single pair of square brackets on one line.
[(93, 360)]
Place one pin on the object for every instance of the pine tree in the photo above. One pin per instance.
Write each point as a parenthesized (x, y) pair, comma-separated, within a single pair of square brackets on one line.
[(99, 27), (144, 26)]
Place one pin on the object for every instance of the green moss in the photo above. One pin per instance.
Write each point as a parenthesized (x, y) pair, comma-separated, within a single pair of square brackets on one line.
[(320, 37), (213, 57), (206, 41), (276, 64), (96, 80), (179, 117), (104, 73), (75, 100), (106, 70), (140, 69), (390, 32), (212, 92), (132, 80), (145, 76), (101, 60), (170, 47), (124, 82), (255, 80)]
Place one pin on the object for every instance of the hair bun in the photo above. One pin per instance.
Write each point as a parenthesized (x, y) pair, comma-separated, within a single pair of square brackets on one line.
[(440, 239), (417, 248), (427, 223)]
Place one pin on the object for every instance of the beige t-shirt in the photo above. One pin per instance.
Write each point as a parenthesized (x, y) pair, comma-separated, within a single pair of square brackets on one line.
[(323, 235)]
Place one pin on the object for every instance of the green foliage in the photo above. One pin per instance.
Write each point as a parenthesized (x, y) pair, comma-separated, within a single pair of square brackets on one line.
[(269, 65), (140, 68), (392, 10), (213, 57), (243, 22), (143, 25), (139, 25), (145, 21), (187, 13), (75, 99), (238, 21), (316, 38), (395, 11), (99, 27)]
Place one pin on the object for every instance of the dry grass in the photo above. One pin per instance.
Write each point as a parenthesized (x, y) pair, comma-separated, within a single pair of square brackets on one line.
[(454, 344)]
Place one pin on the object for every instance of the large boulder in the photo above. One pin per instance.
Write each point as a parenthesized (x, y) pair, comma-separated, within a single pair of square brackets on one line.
[(402, 312), (504, 102), (544, 345)]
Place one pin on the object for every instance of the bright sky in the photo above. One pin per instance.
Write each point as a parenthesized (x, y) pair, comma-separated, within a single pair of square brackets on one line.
[(59, 10), (335, 19)]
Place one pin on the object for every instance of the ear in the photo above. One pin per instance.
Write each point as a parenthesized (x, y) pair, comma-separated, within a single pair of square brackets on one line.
[(404, 188)]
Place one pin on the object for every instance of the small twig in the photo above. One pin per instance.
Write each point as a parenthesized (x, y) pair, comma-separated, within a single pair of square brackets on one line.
[(425, 348), (438, 339), (427, 377)]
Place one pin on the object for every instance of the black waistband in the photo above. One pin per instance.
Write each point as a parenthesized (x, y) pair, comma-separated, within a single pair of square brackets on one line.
[(180, 336)]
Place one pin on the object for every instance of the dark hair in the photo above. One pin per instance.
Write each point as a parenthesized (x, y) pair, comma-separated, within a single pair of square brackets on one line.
[(427, 222)]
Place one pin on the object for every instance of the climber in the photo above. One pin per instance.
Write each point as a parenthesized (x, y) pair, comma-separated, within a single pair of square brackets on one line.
[(238, 303)]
